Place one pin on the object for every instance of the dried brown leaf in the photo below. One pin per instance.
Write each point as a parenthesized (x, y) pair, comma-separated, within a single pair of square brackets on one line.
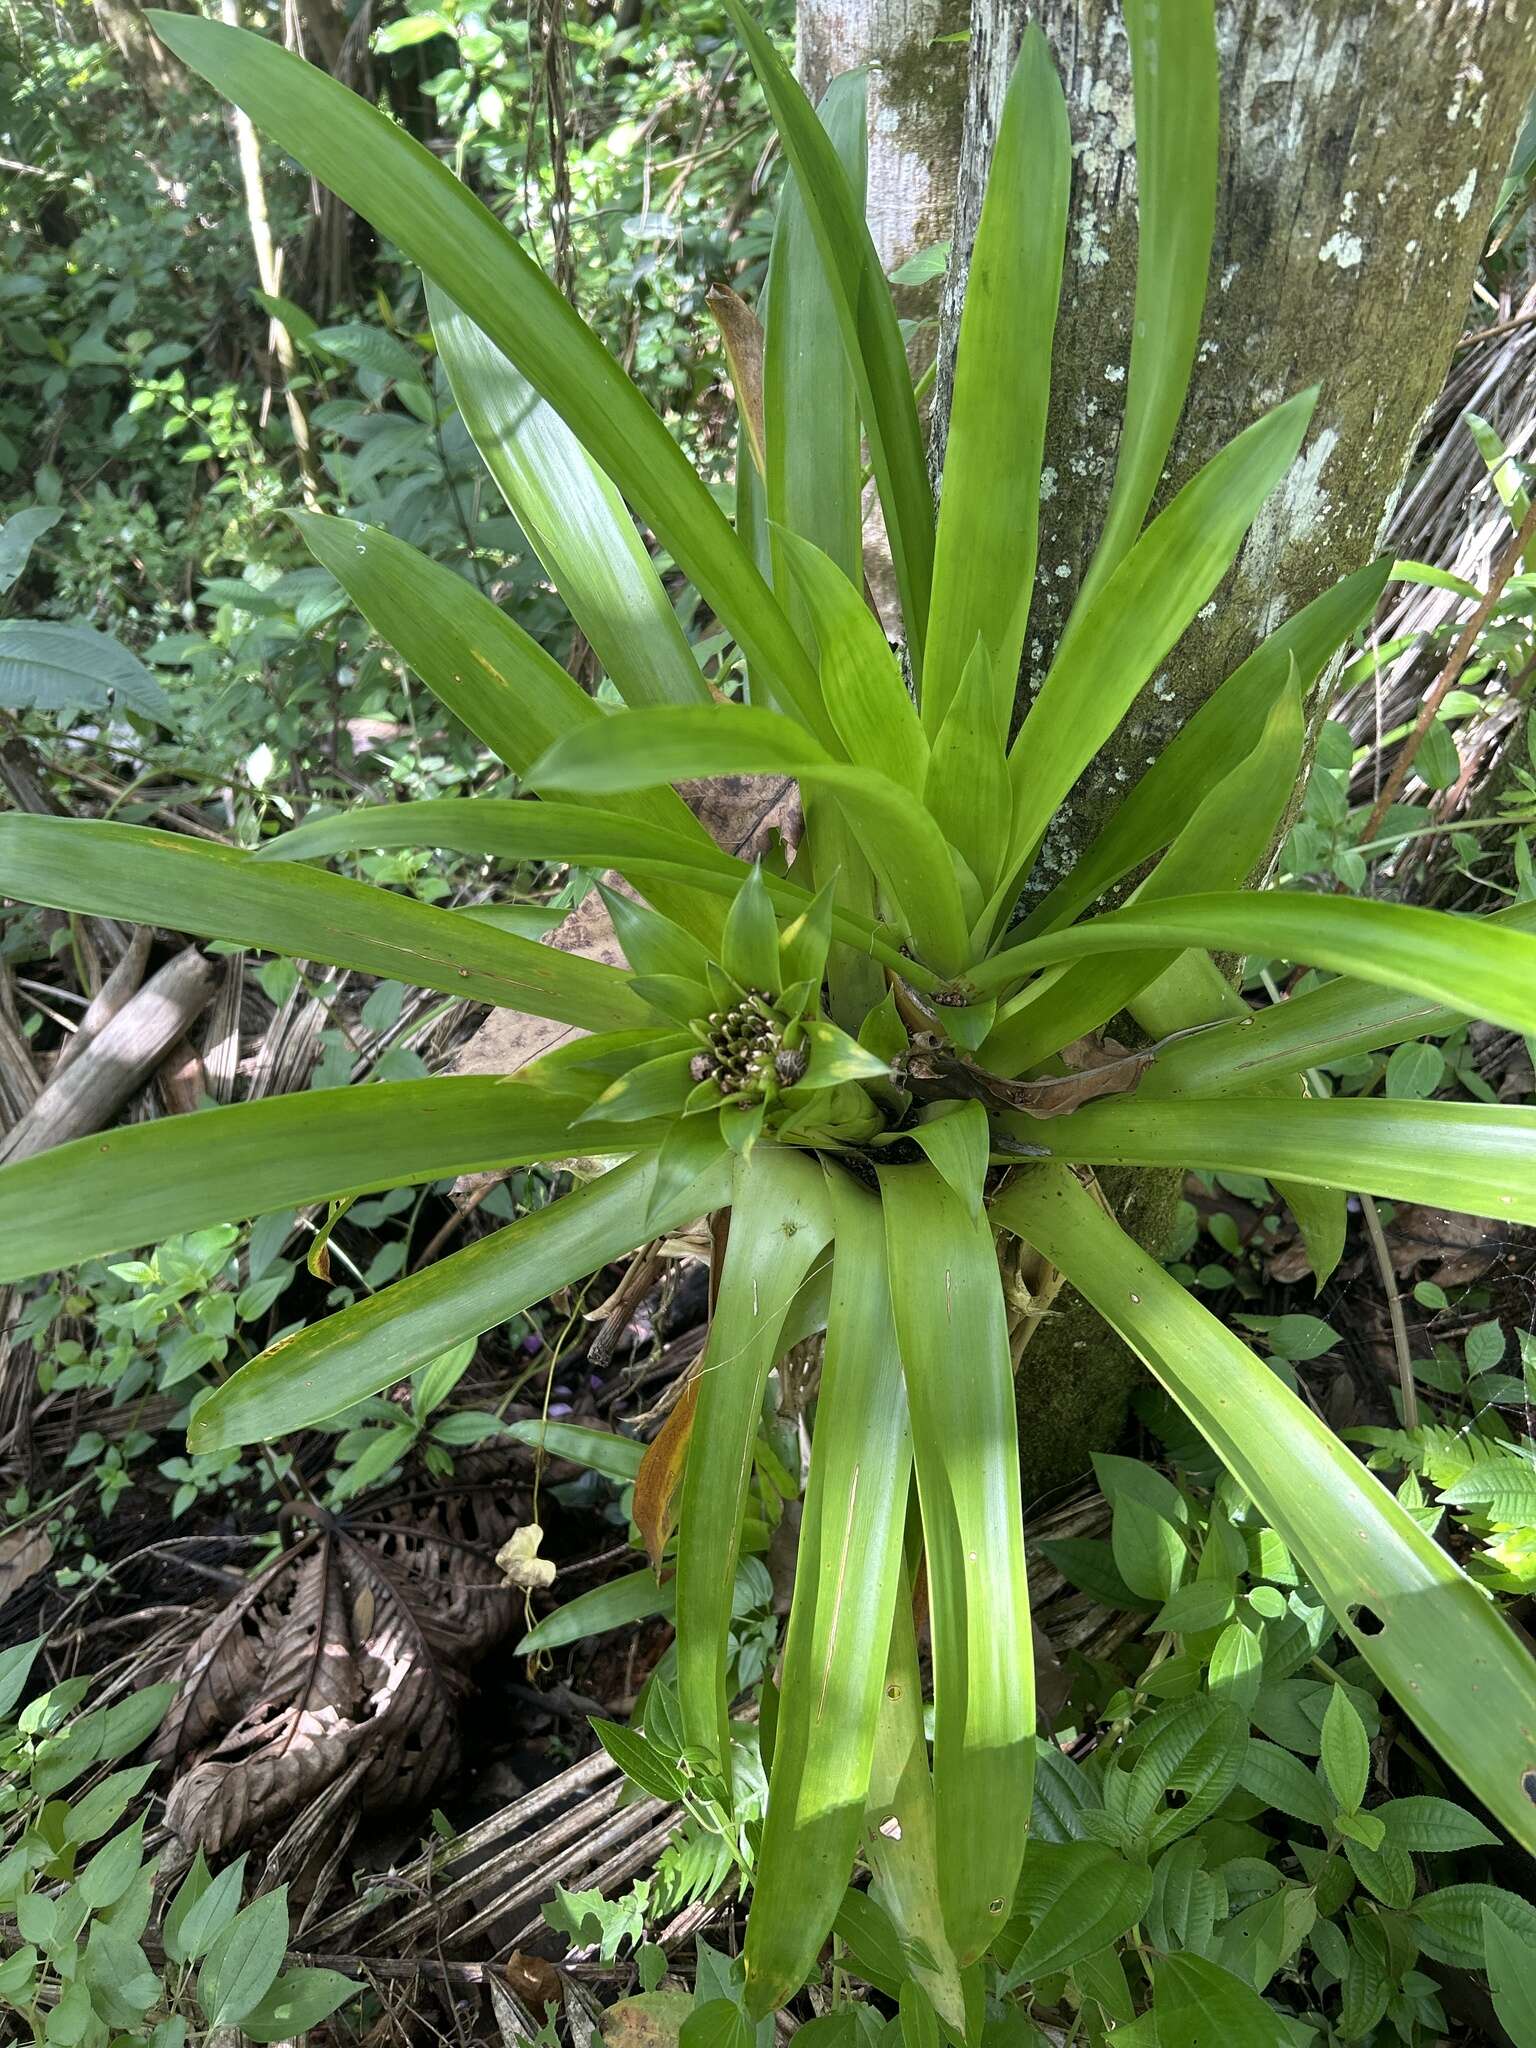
[(23, 1554), (742, 333), (533, 1978), (661, 1474), (1097, 1069), (1458, 1249), (294, 1735), (350, 1648)]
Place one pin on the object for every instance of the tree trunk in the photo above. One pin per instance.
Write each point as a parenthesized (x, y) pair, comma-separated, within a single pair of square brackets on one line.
[(917, 91), (1362, 151), (269, 268), (914, 54), (143, 56)]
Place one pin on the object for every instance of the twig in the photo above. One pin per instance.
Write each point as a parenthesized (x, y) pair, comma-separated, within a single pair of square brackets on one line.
[(11, 163), (1461, 653), (459, 1217), (1378, 1239), (270, 269), (124, 1052), (1492, 333)]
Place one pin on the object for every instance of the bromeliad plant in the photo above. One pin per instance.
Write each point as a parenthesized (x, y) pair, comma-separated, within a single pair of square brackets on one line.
[(865, 1053)]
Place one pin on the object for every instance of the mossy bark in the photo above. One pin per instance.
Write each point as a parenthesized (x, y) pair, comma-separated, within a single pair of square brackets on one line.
[(1362, 151), (917, 96)]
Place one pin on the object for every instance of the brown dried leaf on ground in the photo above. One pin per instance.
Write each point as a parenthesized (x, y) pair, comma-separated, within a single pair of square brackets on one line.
[(23, 1554), (1289, 1263), (1458, 1249), (288, 1664), (355, 1644), (747, 814)]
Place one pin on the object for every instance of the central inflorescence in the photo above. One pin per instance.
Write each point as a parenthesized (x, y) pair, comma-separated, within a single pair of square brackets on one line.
[(746, 1050)]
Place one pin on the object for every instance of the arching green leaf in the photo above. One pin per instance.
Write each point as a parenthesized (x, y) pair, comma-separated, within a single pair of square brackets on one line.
[(1225, 839), (384, 174), (1178, 99), (576, 520), (989, 511), (872, 341), (1478, 1157), (967, 790), (217, 892), (846, 1576), (780, 1220), (1480, 967), (1202, 749), (810, 407), (861, 681), (145, 1182), (320, 1370), (1112, 647), (948, 1302), (1433, 1638), (1341, 1017)]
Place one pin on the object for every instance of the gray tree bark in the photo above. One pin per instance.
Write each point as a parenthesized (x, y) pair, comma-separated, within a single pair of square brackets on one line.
[(917, 95), (1363, 143)]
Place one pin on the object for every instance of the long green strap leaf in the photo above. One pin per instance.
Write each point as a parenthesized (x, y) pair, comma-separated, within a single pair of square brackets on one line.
[(471, 656), (643, 749), (989, 509), (648, 855), (147, 1182), (856, 287), (1477, 1157), (1112, 647), (861, 682), (1178, 99), (1339, 1018), (1227, 836), (846, 1574), (953, 1331), (1478, 967), (1164, 799), (1193, 993), (780, 1220), (810, 407), (475, 660), (217, 892), (967, 789), (902, 1841), (319, 1371), (813, 487), (494, 676), (1433, 1638), (638, 749), (507, 829), (391, 180), (579, 525)]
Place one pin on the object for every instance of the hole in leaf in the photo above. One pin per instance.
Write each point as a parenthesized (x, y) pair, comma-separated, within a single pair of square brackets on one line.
[(1528, 1786), (1365, 1622)]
